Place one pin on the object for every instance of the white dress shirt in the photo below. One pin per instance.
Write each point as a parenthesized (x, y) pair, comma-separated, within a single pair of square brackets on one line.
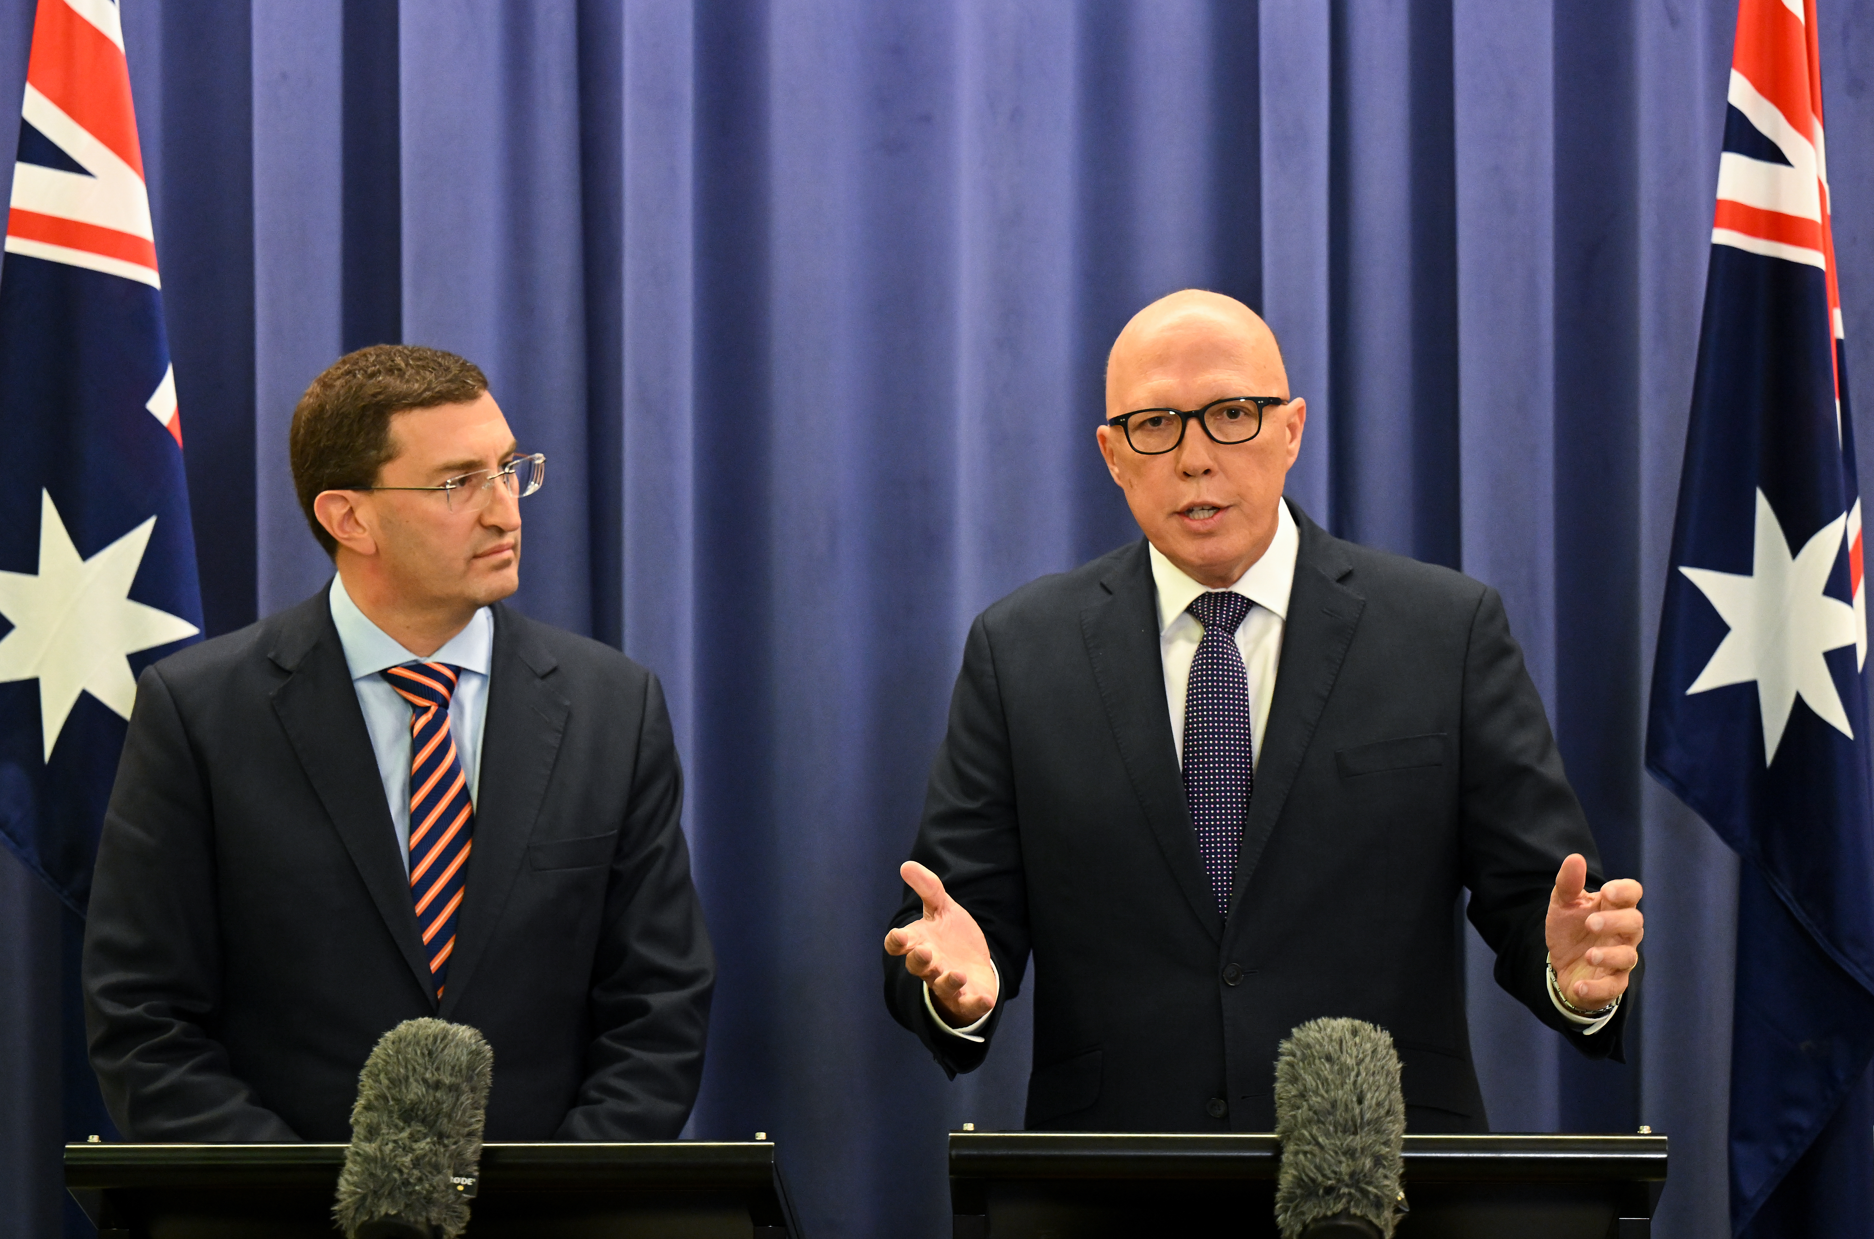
[(1259, 637), (369, 651), (1267, 584)]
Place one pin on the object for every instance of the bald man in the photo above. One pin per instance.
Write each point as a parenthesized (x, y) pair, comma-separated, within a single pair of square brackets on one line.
[(1233, 777)]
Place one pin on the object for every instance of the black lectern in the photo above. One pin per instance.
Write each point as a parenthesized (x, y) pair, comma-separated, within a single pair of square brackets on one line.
[(1028, 1185), (284, 1191)]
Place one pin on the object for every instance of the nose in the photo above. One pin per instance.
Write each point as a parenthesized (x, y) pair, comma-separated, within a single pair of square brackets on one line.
[(1194, 456), (503, 510)]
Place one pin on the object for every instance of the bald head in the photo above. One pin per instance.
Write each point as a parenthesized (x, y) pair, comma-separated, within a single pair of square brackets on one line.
[(1180, 337), (1212, 508)]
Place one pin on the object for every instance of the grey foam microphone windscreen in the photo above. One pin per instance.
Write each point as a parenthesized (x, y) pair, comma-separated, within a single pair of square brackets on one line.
[(415, 1131), (1340, 1116)]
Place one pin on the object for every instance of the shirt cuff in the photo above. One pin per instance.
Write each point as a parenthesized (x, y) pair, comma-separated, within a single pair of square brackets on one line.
[(968, 1031), (1589, 1026)]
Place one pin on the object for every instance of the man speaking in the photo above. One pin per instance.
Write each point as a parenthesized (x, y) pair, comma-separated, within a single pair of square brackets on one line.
[(398, 799), (1232, 778)]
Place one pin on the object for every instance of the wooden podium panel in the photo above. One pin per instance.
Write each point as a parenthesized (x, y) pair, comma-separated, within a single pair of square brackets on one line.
[(542, 1191), (1038, 1185)]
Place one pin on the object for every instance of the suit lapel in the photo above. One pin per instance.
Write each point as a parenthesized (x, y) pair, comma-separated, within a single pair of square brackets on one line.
[(1121, 634), (520, 743), (1322, 616), (318, 708)]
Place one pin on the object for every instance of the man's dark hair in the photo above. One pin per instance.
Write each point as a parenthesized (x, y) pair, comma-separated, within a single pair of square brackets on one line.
[(341, 426)]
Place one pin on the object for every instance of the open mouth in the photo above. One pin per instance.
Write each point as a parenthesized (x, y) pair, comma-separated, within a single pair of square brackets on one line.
[(1200, 512)]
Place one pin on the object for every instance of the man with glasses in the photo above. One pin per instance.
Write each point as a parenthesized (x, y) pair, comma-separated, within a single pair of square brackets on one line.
[(1234, 777), (398, 799)]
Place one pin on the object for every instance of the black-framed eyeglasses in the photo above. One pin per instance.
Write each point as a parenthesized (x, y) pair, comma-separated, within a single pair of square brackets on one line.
[(1233, 419), (521, 477)]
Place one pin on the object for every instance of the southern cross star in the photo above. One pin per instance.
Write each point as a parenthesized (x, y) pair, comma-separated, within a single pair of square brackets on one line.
[(1781, 626), (74, 623)]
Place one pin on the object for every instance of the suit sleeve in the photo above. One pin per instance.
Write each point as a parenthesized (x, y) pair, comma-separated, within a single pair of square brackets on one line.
[(1520, 819), (655, 970), (969, 838), (152, 954)]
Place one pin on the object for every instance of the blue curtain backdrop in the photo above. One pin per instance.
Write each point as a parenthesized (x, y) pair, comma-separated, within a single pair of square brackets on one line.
[(807, 301)]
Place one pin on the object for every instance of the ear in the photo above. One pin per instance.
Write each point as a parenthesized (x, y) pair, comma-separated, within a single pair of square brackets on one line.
[(1297, 419), (1109, 449), (339, 511)]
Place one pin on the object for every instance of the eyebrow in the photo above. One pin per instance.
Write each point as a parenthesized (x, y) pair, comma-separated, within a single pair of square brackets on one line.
[(457, 468)]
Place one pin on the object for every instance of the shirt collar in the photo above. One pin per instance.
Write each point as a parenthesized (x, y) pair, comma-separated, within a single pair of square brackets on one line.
[(1267, 582), (370, 650)]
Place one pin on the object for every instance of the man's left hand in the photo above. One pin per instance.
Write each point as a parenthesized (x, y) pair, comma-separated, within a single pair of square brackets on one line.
[(1593, 936)]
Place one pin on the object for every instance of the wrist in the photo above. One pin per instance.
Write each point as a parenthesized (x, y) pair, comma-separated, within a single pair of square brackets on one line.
[(1560, 996)]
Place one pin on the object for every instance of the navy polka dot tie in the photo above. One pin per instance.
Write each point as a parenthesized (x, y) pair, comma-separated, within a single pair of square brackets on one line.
[(1219, 753)]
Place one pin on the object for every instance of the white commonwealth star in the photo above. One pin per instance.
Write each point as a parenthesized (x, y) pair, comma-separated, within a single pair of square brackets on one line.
[(74, 624), (1781, 625)]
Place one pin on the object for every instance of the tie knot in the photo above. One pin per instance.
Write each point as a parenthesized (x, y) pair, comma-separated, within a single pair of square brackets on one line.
[(423, 684), (1220, 611)]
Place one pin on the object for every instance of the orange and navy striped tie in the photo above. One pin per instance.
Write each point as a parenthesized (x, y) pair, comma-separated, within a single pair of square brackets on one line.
[(442, 819)]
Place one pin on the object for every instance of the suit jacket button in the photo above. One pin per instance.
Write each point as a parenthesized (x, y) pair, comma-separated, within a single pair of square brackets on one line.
[(1232, 974), (1216, 1108)]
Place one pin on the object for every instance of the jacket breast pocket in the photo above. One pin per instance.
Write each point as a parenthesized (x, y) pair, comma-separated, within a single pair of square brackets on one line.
[(582, 853), (1404, 753)]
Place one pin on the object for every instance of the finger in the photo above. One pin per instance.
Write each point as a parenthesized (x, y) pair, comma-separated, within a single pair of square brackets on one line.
[(961, 1012), (949, 984), (905, 937), (921, 962), (1614, 958), (1621, 893), (929, 886), (974, 1008), (1570, 880), (1593, 995), (1626, 923)]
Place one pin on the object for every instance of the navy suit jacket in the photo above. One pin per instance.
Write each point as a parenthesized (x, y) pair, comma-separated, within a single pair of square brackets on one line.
[(251, 933), (1406, 758)]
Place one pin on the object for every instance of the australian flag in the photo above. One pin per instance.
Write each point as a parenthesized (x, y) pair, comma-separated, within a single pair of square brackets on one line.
[(97, 563), (1759, 708)]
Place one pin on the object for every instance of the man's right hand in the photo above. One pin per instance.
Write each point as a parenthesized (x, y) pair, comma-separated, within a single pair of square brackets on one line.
[(946, 950)]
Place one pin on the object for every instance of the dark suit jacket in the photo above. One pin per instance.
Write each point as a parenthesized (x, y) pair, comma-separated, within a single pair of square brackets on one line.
[(251, 933), (1407, 755)]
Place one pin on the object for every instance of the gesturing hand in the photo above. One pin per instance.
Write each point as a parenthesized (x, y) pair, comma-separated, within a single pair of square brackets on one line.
[(946, 950), (1592, 937)]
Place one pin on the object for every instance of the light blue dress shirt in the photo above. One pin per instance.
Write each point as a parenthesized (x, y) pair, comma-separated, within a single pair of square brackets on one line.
[(369, 650)]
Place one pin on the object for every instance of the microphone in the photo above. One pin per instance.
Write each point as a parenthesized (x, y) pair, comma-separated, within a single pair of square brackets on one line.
[(1340, 1116), (416, 1134)]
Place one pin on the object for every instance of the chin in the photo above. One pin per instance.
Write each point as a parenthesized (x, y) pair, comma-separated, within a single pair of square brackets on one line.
[(499, 585), (1207, 557)]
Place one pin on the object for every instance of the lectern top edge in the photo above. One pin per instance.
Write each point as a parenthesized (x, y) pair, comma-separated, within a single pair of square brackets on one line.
[(1010, 1156), (690, 1162), (712, 1184)]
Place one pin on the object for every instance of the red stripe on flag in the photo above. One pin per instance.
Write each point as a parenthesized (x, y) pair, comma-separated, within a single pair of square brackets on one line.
[(75, 66), (1772, 51), (104, 242), (1854, 566), (1813, 53), (1768, 225)]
